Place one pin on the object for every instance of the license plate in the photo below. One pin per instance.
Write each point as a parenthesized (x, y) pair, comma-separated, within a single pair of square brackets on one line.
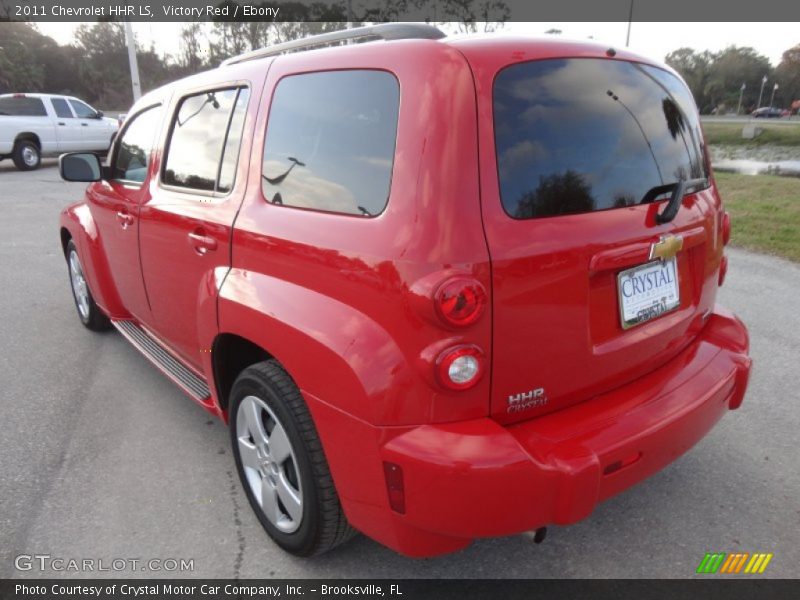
[(647, 291)]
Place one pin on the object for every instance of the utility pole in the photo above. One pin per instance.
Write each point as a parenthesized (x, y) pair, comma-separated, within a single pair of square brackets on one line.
[(741, 94), (772, 100), (130, 41), (630, 19), (761, 93)]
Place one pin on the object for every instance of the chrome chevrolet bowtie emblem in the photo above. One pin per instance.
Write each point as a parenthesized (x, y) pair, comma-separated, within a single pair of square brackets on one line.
[(667, 247)]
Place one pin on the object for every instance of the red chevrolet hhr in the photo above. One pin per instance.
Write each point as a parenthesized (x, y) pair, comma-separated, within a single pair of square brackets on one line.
[(439, 289)]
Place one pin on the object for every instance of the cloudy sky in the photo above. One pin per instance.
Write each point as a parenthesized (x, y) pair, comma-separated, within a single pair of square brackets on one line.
[(654, 40)]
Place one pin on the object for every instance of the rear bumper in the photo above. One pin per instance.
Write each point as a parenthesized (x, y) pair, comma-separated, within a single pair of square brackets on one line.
[(477, 478)]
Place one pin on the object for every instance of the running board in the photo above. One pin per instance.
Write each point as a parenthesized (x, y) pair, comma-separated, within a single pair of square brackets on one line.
[(183, 377)]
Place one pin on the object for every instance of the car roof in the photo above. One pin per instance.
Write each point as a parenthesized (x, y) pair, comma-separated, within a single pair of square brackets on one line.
[(473, 46), (40, 95)]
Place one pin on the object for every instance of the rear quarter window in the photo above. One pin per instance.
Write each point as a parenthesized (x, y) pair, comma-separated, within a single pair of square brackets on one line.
[(330, 141), (581, 135), (14, 106)]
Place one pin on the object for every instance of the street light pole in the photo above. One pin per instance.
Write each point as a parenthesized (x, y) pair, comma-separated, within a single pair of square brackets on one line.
[(630, 19), (772, 99), (741, 94), (761, 93), (134, 66)]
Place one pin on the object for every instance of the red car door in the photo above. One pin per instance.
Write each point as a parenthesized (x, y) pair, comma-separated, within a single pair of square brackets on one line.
[(185, 227), (115, 206)]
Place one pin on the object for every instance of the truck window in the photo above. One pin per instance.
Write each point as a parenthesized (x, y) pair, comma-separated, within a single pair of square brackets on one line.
[(330, 141), (83, 111), (61, 108), (22, 106)]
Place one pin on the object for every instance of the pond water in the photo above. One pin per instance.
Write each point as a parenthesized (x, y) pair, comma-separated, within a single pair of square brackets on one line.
[(758, 160)]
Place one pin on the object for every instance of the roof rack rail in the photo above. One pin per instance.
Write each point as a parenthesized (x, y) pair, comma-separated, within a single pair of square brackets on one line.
[(384, 31)]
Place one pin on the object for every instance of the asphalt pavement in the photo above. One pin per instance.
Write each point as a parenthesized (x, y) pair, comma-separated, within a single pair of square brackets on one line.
[(103, 458)]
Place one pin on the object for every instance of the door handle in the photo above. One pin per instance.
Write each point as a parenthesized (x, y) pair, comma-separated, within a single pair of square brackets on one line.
[(124, 219), (201, 242), (84, 124), (62, 123)]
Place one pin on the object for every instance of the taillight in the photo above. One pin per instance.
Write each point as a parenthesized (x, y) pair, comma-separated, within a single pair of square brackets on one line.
[(460, 301), (723, 269), (726, 228), (461, 367)]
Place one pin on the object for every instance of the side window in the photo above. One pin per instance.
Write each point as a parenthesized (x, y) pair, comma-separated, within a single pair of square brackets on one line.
[(331, 140), (83, 111), (203, 147), (135, 145), (61, 108), (22, 106), (230, 154)]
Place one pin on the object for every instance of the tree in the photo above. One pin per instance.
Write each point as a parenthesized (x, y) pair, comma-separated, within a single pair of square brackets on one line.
[(695, 69), (715, 80), (732, 67), (191, 57), (466, 13), (787, 75)]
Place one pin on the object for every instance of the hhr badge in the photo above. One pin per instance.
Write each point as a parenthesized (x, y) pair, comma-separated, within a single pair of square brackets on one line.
[(526, 400)]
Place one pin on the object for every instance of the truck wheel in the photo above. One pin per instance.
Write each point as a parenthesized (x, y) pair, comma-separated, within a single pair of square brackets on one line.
[(27, 156), (89, 313), (281, 464)]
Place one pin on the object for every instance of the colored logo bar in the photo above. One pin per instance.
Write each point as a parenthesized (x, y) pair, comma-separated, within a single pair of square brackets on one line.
[(736, 562)]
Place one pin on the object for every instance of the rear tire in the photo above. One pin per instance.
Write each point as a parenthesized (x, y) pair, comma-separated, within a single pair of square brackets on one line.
[(281, 464), (88, 312), (26, 156)]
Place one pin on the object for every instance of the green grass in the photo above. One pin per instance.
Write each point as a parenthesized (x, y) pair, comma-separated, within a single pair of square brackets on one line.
[(774, 134), (765, 212)]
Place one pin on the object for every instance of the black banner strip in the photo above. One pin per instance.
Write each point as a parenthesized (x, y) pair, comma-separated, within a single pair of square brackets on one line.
[(402, 10), (711, 588)]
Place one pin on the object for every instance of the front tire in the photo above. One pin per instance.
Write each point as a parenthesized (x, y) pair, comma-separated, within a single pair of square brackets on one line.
[(26, 156), (88, 312), (281, 464)]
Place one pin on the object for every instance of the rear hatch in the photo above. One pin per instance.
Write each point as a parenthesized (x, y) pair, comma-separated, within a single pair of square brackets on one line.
[(590, 291)]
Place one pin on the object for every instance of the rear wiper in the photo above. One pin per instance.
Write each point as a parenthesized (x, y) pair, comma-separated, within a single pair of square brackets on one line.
[(678, 190)]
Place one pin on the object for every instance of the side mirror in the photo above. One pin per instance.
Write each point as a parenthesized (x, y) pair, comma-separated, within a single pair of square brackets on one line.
[(80, 166), (99, 114)]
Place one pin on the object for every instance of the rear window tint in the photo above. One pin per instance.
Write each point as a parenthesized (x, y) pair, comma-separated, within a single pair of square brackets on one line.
[(12, 106), (580, 135), (330, 141)]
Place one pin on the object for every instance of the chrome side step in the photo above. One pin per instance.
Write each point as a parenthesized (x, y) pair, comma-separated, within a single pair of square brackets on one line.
[(183, 377)]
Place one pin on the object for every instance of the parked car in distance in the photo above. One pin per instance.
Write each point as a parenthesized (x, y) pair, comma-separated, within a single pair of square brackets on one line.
[(37, 125), (439, 289), (767, 112)]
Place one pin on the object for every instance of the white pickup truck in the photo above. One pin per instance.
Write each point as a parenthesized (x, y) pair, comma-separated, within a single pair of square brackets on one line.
[(36, 125)]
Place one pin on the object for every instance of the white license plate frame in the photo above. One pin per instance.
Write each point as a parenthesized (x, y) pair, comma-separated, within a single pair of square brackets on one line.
[(643, 305)]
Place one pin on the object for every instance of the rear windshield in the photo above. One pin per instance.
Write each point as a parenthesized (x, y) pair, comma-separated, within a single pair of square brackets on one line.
[(583, 134), (20, 106)]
